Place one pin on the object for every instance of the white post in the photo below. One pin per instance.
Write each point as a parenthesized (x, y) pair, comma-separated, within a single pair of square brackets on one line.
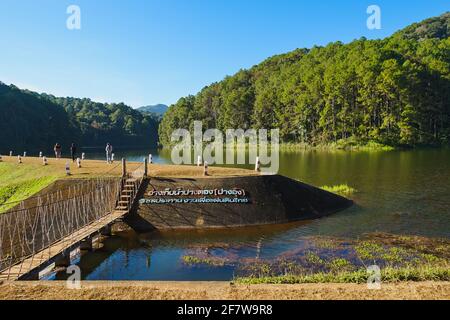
[(199, 161), (112, 157), (150, 159), (83, 156), (205, 169), (10, 153), (19, 159), (24, 154), (79, 162), (40, 154), (44, 161), (68, 168), (257, 165)]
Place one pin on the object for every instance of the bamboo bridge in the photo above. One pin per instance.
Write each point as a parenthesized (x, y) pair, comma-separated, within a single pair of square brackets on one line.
[(35, 239)]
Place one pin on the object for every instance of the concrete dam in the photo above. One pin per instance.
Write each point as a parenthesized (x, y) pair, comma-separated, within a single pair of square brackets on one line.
[(192, 203)]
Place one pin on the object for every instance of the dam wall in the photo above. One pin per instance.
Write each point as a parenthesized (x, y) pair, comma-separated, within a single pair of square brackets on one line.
[(229, 202)]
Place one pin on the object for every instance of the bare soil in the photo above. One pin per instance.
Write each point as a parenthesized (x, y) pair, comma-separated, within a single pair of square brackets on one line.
[(124, 290)]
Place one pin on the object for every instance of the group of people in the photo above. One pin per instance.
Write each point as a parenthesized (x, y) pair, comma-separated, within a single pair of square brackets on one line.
[(73, 152), (58, 151)]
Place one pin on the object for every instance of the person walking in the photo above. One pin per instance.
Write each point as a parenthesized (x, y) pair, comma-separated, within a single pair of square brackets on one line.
[(57, 150), (109, 151), (73, 152)]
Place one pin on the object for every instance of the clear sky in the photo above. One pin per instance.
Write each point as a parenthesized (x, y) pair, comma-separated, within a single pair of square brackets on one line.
[(155, 51)]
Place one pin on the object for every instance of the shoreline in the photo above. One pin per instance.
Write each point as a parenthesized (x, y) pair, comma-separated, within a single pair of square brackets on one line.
[(18, 182), (177, 290)]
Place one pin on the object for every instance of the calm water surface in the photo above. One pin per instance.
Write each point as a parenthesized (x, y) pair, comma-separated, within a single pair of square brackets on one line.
[(401, 192)]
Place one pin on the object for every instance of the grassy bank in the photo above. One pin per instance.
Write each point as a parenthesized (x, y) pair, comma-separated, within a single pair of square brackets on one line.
[(349, 145), (20, 182), (346, 145), (389, 274)]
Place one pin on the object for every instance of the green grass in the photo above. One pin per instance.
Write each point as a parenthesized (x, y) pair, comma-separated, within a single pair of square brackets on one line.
[(341, 189), (342, 144), (18, 182), (389, 274)]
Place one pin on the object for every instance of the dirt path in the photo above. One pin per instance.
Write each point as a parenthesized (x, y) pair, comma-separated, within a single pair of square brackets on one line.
[(92, 168), (124, 290)]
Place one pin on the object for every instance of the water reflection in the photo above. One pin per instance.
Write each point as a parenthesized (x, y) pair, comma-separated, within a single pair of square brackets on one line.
[(401, 192)]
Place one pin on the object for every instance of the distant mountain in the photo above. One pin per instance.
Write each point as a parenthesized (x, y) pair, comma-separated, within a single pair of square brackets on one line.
[(32, 121), (158, 109)]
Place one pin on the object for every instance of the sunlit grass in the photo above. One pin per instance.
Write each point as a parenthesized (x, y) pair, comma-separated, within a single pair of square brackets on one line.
[(18, 182), (389, 274), (342, 144)]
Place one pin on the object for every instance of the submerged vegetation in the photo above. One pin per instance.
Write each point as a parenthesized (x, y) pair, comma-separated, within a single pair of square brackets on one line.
[(192, 261), (341, 189), (326, 259)]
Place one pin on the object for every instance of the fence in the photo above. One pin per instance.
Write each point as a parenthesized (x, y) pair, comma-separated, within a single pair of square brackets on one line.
[(26, 230)]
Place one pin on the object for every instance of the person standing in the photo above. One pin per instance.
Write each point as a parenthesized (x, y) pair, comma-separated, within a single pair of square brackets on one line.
[(109, 151), (57, 150), (73, 151)]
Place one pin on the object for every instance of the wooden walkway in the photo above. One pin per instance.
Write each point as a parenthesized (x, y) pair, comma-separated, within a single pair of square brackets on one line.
[(39, 260), (31, 265)]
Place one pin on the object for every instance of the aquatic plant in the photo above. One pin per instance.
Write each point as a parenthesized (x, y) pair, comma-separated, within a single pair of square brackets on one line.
[(313, 258), (338, 264), (325, 243), (367, 250), (192, 260), (341, 189)]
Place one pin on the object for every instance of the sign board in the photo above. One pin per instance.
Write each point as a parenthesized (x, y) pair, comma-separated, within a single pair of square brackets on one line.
[(196, 196)]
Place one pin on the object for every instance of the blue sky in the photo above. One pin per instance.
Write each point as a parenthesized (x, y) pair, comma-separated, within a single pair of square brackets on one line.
[(155, 51)]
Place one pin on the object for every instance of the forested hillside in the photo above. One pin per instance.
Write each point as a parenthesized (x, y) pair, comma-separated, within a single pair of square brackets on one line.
[(394, 91), (32, 121)]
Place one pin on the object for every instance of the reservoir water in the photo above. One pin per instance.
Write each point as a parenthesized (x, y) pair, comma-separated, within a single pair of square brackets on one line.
[(401, 192)]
